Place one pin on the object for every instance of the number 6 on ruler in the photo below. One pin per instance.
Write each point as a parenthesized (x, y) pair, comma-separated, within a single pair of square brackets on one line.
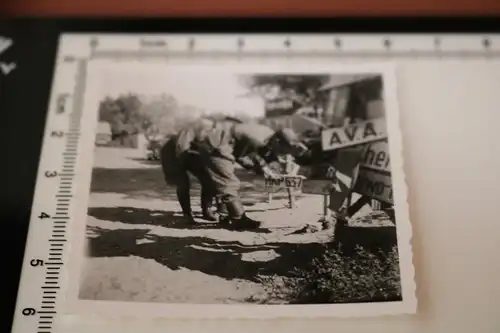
[(29, 312)]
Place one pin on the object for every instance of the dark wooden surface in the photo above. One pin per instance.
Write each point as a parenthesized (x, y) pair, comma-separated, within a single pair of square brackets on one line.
[(249, 8)]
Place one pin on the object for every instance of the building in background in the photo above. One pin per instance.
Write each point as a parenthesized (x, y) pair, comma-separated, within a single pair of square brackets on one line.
[(103, 133), (288, 113), (296, 120), (351, 98), (343, 100)]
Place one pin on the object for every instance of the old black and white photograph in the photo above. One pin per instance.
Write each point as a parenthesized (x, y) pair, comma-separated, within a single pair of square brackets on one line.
[(222, 186)]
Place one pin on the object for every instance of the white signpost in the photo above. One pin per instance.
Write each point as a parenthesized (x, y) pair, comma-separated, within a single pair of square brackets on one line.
[(290, 180), (374, 184), (284, 182), (374, 177), (377, 157), (355, 134)]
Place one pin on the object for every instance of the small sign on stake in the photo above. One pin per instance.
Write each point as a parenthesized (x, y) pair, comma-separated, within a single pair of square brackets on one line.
[(288, 179)]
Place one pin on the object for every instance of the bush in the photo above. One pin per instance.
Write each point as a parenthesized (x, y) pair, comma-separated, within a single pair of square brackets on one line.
[(335, 278)]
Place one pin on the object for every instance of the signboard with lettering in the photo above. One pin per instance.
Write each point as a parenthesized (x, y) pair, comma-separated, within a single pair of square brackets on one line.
[(372, 180), (377, 157), (284, 182), (355, 134), (375, 184)]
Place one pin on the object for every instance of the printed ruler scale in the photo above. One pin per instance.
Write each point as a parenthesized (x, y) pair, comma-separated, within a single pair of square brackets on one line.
[(44, 258), (41, 290)]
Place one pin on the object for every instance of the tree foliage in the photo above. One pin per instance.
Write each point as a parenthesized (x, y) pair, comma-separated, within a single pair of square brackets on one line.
[(158, 114), (122, 113), (302, 88), (154, 116)]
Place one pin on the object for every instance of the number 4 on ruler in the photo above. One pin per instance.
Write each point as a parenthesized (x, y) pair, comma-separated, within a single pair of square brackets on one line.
[(43, 216)]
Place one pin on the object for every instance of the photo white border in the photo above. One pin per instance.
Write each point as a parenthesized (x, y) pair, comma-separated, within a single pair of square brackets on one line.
[(96, 69)]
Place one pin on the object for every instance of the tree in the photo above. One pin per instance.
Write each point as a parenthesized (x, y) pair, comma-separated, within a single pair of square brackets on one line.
[(157, 113), (164, 116), (303, 89), (122, 113), (130, 106)]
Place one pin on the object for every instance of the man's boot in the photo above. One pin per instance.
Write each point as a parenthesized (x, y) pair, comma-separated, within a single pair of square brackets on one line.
[(245, 223), (221, 207), (237, 219), (185, 201), (206, 207)]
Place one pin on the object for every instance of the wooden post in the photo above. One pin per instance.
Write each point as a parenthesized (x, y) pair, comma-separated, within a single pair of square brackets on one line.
[(348, 200), (325, 205), (288, 169), (291, 198), (357, 205), (269, 197)]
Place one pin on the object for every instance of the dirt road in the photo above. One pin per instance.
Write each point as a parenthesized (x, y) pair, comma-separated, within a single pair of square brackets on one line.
[(140, 249)]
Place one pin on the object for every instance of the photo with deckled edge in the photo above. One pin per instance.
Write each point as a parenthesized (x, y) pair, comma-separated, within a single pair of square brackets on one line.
[(316, 232)]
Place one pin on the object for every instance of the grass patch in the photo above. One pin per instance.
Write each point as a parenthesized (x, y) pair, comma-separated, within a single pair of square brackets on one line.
[(362, 276)]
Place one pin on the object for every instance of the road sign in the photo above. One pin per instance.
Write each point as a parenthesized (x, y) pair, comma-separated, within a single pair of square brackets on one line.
[(377, 157), (355, 134), (284, 182), (375, 184)]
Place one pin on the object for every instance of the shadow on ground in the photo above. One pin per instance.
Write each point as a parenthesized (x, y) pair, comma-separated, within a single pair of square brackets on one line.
[(149, 183), (143, 216), (218, 258), (145, 161)]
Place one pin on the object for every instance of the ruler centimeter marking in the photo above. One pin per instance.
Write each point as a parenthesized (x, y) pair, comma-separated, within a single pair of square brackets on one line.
[(44, 259), (42, 279), (162, 46), (338, 45)]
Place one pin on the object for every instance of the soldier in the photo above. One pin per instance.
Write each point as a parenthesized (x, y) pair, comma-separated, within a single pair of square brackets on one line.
[(218, 147), (177, 159)]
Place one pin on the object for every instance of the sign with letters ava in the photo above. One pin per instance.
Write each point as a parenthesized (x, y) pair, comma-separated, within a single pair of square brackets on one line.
[(355, 134)]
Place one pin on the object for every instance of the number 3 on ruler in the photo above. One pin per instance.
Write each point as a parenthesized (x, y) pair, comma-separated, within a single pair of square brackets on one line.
[(50, 174), (57, 134)]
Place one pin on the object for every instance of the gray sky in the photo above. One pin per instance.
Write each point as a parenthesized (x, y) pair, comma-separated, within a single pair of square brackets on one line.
[(210, 91)]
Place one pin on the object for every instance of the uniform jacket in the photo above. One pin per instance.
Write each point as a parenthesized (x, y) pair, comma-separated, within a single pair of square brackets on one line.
[(244, 143)]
